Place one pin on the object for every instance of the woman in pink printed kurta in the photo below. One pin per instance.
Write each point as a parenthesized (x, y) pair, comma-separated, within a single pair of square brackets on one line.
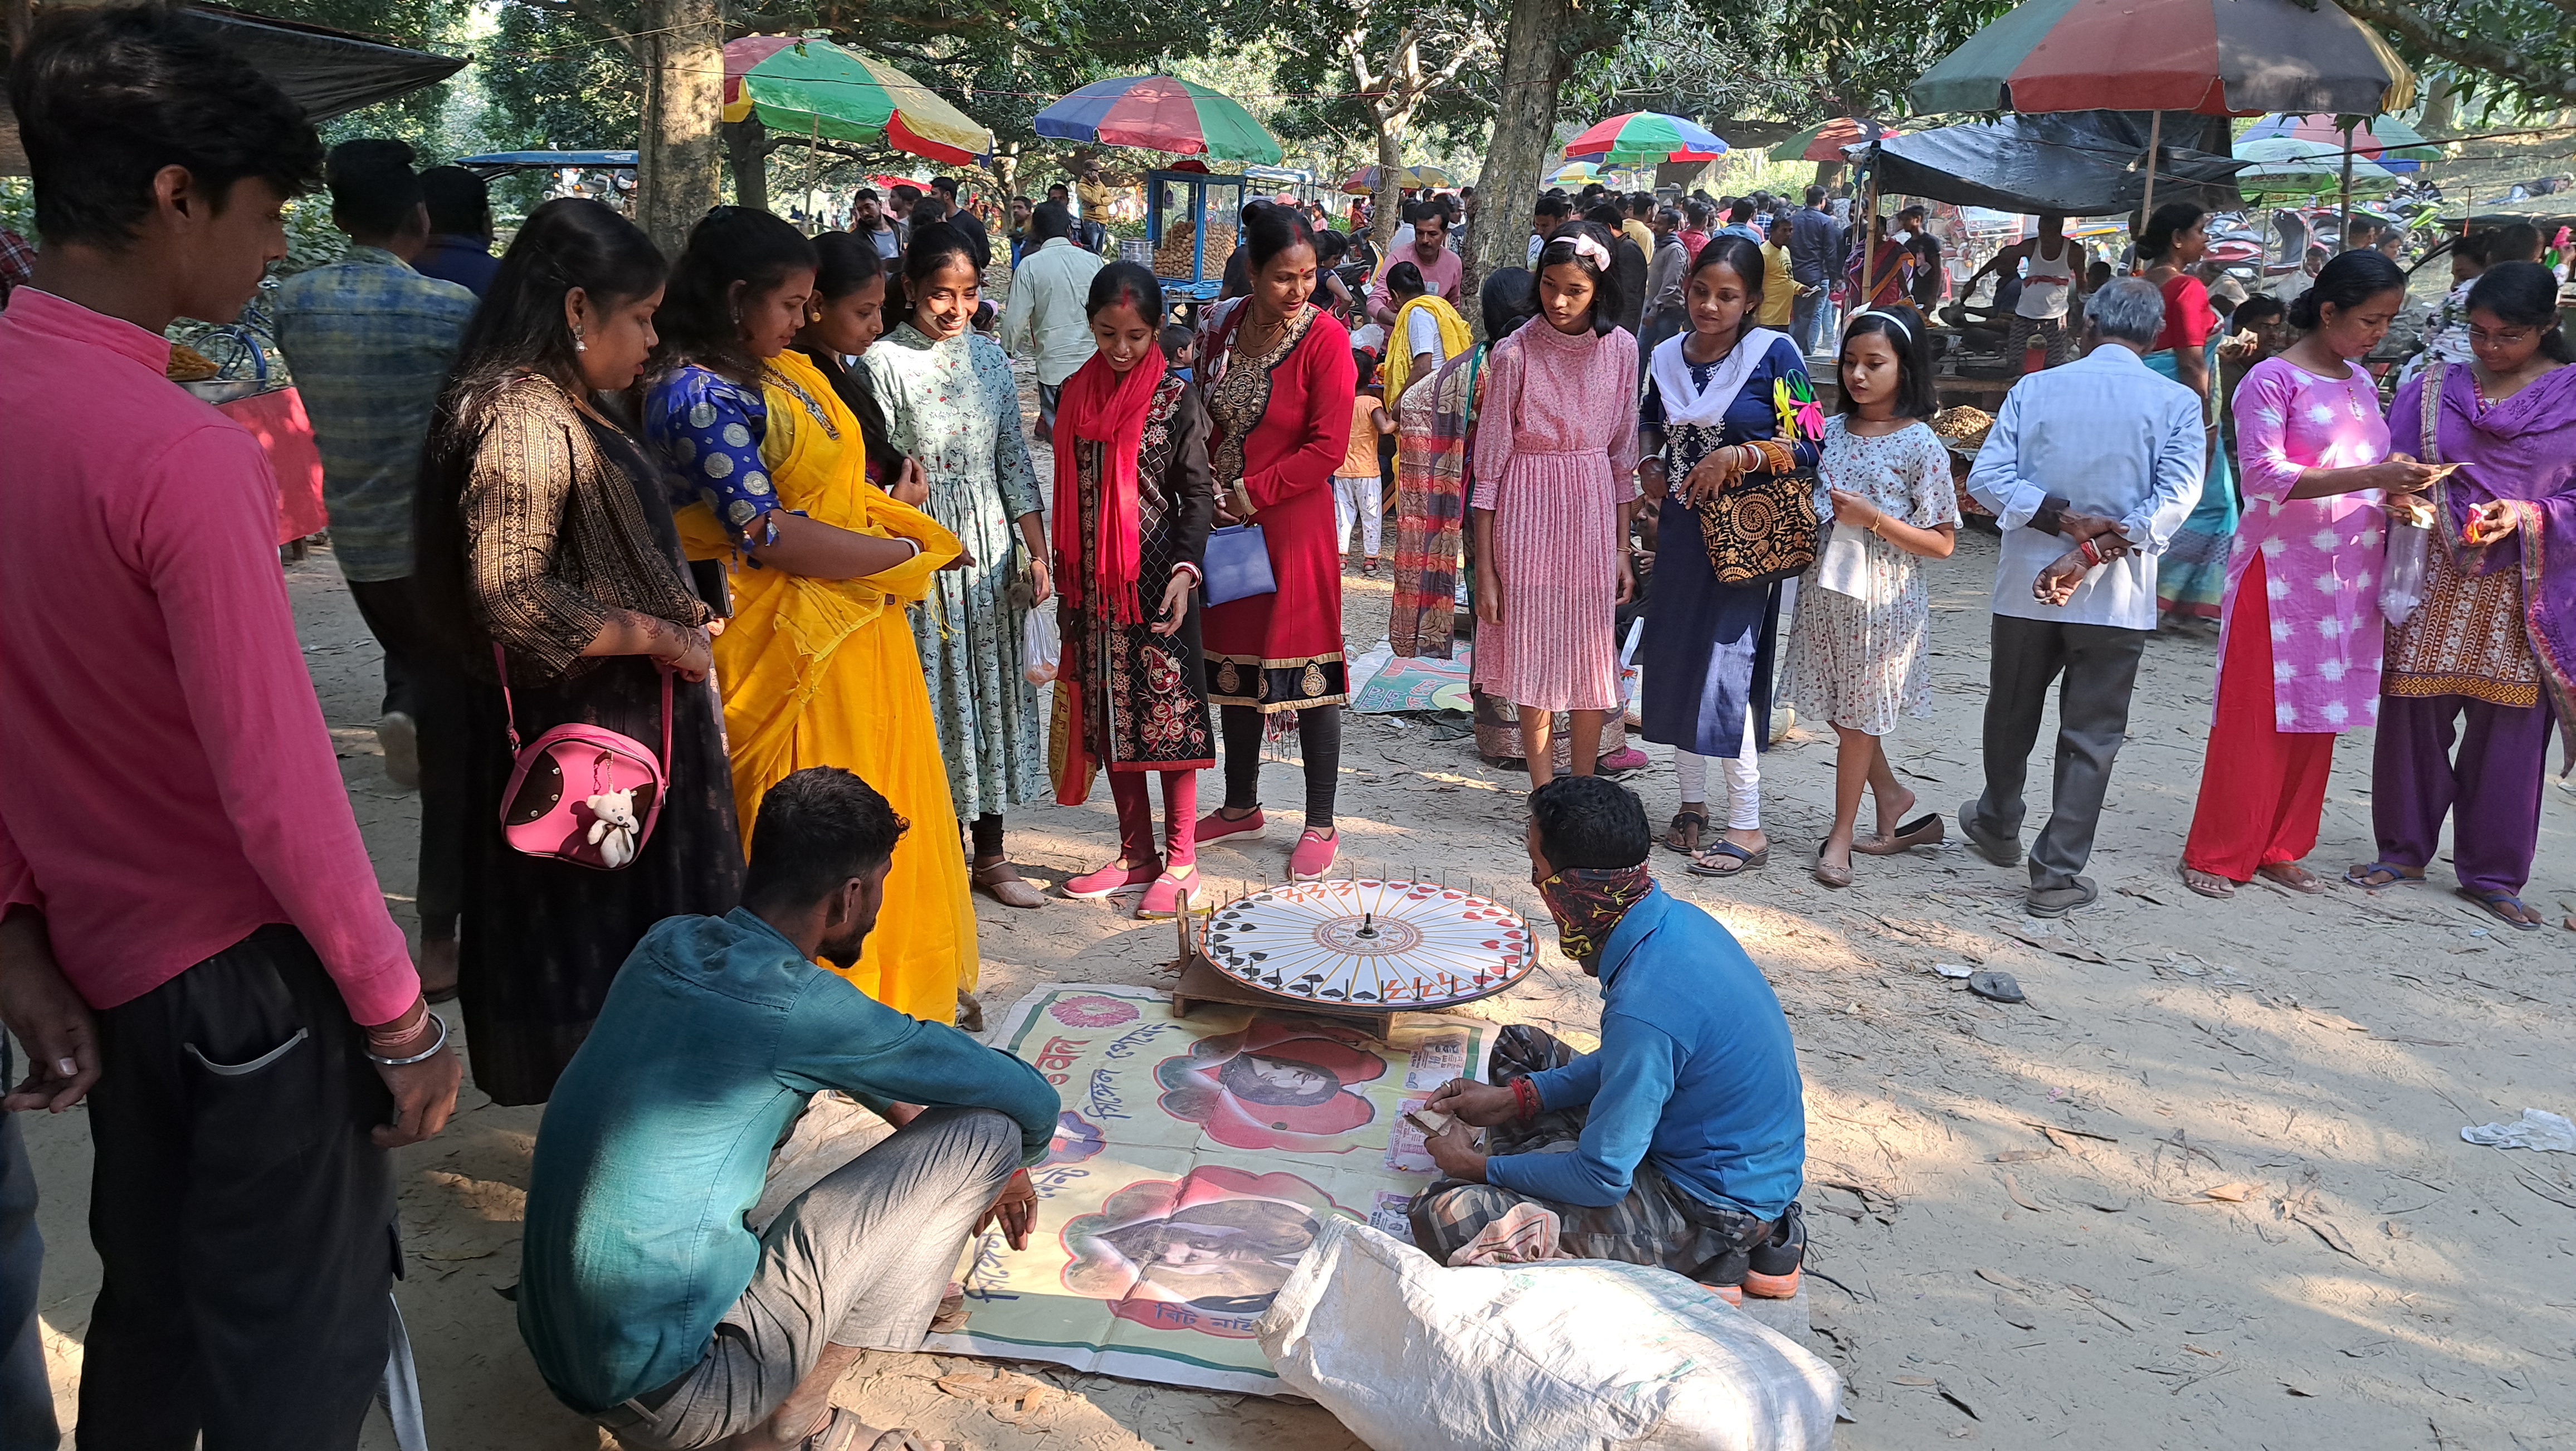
[(1556, 464), (2299, 636)]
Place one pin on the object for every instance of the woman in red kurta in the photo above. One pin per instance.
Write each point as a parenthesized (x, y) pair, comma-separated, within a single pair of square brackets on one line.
[(1279, 382)]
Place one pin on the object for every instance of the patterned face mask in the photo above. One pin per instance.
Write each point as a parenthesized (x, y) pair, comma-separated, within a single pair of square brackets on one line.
[(1587, 903)]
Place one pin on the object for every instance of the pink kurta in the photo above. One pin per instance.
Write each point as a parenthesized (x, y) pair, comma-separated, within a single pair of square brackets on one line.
[(1556, 455), (2321, 557)]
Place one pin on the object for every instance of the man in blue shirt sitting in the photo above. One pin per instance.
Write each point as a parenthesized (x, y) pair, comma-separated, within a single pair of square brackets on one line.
[(1683, 1141), (647, 1301)]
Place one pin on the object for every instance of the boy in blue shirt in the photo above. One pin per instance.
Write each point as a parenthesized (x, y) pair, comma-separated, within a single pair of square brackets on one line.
[(1683, 1141), (647, 1302)]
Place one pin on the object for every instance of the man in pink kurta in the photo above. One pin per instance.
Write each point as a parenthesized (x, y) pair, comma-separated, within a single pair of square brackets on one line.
[(190, 931)]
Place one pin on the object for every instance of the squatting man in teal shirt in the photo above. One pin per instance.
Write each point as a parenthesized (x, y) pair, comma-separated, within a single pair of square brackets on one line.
[(647, 1301), (1683, 1141)]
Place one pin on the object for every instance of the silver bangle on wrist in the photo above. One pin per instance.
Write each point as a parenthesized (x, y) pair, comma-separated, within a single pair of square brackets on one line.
[(422, 1056)]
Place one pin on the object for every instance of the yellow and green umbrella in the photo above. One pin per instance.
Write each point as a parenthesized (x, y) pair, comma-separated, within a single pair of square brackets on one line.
[(815, 88)]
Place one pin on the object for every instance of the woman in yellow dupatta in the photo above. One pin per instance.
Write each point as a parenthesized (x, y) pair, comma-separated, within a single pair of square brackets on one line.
[(817, 662)]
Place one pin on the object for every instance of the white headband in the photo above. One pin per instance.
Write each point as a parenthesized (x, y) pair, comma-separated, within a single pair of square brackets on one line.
[(1901, 324)]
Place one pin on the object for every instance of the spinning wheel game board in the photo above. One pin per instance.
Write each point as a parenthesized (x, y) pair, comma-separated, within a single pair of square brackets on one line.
[(1194, 1162), (1371, 945)]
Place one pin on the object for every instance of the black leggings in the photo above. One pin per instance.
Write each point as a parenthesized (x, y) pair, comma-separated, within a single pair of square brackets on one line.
[(1319, 740), (986, 830)]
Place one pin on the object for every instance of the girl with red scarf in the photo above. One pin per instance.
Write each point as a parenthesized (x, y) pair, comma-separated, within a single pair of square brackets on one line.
[(1132, 503)]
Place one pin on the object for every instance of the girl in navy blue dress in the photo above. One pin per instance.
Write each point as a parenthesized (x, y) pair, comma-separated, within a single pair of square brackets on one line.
[(1724, 401)]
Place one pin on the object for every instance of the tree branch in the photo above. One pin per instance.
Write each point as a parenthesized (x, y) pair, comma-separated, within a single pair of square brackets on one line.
[(618, 25), (2416, 28)]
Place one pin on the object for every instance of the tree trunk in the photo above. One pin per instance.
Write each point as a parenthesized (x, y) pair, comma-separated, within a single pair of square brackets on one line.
[(678, 173), (746, 146), (1390, 196), (2441, 110), (1507, 191)]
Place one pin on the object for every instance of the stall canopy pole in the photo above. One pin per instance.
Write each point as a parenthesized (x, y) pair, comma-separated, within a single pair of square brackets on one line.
[(2343, 228), (1868, 241), (2147, 208)]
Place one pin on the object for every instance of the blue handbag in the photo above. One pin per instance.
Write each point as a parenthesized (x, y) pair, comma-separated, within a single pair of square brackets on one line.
[(1236, 566)]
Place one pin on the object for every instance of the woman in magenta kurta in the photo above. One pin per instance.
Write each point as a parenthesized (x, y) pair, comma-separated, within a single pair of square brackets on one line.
[(1279, 381), (2299, 633), (1556, 480)]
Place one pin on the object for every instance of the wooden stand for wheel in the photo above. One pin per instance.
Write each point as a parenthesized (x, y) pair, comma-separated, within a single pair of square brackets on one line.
[(1202, 982)]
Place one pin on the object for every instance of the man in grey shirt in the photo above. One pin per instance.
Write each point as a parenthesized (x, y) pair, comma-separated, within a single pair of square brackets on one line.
[(2089, 469), (1667, 272)]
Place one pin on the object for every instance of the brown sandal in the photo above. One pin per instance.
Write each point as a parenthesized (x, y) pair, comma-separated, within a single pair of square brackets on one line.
[(2223, 890), (1830, 875), (1003, 883), (1921, 831)]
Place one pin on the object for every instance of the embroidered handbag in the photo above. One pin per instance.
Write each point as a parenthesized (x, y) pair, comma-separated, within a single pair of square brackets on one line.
[(582, 793), (1764, 528), (1237, 565)]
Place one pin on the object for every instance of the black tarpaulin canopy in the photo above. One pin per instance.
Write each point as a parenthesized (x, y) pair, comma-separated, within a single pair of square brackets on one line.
[(328, 72), (2070, 163)]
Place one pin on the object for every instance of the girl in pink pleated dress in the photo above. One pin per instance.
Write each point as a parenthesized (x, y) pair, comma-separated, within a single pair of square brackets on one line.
[(1555, 471)]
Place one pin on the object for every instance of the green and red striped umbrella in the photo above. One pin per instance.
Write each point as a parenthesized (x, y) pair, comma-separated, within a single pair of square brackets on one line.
[(1825, 140), (1160, 113), (816, 88), (2210, 57), (1647, 137)]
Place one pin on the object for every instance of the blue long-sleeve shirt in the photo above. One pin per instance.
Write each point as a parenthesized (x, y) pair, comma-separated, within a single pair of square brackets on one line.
[(1696, 1074), (656, 1142)]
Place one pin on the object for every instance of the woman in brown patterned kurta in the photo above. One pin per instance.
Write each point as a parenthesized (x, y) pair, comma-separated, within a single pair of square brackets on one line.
[(1133, 503)]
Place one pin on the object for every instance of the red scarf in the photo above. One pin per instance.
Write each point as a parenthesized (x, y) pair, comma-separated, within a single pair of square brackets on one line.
[(1101, 406)]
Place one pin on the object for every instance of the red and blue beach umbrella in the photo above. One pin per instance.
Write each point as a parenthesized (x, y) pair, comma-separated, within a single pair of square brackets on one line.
[(2210, 57), (1160, 113)]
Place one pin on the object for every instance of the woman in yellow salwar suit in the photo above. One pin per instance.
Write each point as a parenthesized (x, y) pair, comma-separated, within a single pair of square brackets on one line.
[(817, 663)]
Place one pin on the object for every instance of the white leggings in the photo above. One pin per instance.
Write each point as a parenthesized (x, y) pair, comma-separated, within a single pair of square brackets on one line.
[(1361, 498), (1743, 782)]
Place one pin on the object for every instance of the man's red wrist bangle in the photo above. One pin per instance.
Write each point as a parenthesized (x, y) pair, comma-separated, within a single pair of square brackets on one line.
[(1525, 1098)]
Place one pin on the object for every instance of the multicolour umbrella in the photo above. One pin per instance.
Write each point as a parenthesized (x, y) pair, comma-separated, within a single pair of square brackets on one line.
[(1825, 140), (2393, 144), (1160, 113), (2209, 57), (1577, 173), (816, 88), (1363, 182), (1646, 137)]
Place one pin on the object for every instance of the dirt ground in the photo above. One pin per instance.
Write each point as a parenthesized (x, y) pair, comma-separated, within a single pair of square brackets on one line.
[(2206, 1187)]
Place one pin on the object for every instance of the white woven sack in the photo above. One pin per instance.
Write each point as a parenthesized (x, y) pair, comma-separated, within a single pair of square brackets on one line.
[(1566, 1354)]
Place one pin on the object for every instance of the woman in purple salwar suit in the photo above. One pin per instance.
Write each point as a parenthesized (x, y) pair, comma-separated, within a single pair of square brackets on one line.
[(2495, 639)]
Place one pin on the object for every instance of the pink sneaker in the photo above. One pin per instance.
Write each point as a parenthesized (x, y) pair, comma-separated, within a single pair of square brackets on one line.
[(1216, 825), (1621, 763), (1172, 894), (1093, 885), (1313, 856)]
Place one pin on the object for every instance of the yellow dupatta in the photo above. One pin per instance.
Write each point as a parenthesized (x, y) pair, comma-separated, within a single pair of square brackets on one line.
[(821, 672), (1455, 337)]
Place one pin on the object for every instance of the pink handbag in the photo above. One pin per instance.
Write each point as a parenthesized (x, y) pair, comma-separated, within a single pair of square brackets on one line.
[(582, 793)]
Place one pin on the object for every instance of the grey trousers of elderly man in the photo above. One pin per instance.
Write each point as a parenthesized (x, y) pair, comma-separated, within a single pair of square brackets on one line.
[(2098, 665), (867, 1227)]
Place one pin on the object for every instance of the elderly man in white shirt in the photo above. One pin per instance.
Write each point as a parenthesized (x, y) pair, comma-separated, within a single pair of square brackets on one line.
[(2089, 469), (1045, 320)]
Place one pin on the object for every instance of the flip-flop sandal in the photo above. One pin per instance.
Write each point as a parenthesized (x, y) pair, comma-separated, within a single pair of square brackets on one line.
[(2360, 876), (2306, 883), (2222, 892), (1673, 828), (2495, 902), (1995, 987), (1701, 865), (841, 1432), (1921, 831)]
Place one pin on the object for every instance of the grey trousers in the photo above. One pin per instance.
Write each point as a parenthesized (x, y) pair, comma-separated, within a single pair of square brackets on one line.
[(2099, 664), (861, 1259)]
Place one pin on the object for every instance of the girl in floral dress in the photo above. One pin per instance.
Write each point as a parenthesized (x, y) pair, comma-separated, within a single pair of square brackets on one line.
[(1856, 650), (951, 405)]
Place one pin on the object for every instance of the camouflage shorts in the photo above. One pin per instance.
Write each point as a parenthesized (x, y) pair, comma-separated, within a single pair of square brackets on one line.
[(1656, 1224)]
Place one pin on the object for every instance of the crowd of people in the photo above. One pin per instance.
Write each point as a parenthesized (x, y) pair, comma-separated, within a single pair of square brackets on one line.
[(706, 588)]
